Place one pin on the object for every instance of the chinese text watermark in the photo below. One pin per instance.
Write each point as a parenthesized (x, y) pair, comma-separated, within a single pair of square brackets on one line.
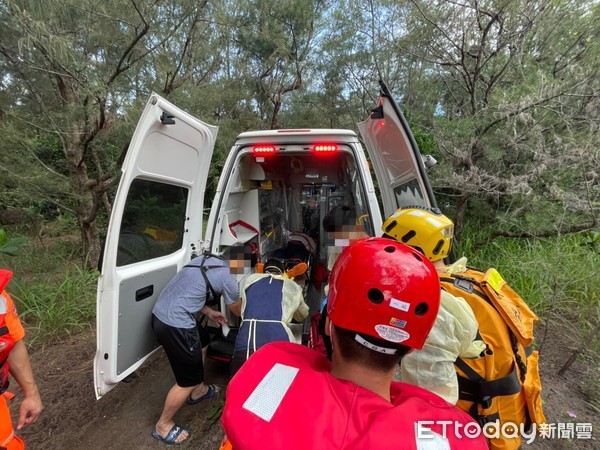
[(495, 430)]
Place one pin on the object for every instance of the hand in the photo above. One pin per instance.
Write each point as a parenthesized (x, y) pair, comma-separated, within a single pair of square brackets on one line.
[(217, 317), (29, 411)]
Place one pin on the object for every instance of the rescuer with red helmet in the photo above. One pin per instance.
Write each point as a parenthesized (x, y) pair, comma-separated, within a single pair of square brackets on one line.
[(383, 301)]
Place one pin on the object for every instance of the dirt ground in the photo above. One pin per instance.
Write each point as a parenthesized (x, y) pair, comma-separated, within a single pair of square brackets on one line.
[(74, 419)]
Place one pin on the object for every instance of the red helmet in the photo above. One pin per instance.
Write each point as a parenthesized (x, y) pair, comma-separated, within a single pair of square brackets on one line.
[(385, 289)]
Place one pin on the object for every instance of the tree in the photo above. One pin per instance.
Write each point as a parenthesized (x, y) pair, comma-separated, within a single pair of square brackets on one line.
[(275, 39), (74, 69), (508, 90), (517, 122)]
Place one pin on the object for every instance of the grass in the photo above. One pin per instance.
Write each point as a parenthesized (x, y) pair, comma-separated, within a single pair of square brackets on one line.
[(51, 310), (558, 277), (54, 295)]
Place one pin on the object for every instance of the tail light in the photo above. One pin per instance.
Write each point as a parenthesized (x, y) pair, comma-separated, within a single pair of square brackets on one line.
[(263, 149), (325, 148)]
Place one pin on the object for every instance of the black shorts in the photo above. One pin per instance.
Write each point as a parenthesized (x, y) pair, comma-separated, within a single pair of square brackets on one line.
[(183, 347)]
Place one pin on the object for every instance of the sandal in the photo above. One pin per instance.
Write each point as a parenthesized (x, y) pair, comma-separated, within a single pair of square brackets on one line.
[(172, 435), (213, 391)]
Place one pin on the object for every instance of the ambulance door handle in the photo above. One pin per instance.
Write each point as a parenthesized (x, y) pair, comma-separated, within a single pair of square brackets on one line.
[(144, 293)]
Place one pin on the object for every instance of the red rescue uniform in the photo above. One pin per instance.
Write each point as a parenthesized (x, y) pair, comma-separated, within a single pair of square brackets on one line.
[(285, 397)]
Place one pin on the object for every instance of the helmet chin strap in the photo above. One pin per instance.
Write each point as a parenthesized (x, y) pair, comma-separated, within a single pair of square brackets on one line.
[(331, 333), (361, 340)]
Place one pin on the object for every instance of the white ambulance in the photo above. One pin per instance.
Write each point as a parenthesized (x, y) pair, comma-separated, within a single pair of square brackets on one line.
[(275, 186)]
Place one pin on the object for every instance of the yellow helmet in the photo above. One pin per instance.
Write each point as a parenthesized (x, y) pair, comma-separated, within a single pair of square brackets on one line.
[(428, 231)]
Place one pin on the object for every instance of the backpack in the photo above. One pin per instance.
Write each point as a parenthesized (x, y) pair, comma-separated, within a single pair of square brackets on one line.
[(502, 384)]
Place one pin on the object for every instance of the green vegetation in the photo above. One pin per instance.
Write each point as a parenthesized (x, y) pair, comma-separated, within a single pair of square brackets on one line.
[(558, 277), (553, 274), (53, 309), (504, 95), (10, 246), (54, 295)]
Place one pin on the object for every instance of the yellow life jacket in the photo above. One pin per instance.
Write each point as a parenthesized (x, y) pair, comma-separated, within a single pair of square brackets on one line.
[(502, 385)]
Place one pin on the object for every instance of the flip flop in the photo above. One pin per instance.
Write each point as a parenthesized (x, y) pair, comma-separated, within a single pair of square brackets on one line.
[(213, 391), (172, 435)]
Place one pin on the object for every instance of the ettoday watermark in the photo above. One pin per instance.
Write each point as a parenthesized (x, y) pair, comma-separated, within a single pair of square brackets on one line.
[(495, 430)]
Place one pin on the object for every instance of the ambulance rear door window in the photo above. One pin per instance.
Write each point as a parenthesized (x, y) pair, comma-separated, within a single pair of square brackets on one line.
[(153, 221)]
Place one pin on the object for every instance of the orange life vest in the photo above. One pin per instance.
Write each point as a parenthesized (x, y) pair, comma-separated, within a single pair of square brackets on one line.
[(6, 340), (6, 344), (8, 439)]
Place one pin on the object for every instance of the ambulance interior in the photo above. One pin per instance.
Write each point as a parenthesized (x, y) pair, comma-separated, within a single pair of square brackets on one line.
[(275, 203)]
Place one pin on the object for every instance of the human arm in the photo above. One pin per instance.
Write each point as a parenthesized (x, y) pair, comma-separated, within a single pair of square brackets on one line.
[(302, 312), (236, 308), (20, 369), (296, 293), (215, 316), (231, 294), (462, 326)]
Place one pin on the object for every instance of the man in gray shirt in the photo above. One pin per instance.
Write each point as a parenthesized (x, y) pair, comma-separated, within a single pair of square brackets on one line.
[(177, 330)]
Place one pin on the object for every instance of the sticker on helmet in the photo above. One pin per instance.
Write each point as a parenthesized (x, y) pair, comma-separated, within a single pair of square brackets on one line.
[(391, 334), (342, 242), (399, 304), (397, 322)]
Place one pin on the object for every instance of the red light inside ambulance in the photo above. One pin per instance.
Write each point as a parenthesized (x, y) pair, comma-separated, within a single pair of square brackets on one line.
[(325, 148), (263, 149)]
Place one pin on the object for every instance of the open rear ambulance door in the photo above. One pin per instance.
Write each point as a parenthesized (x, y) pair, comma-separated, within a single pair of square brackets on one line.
[(395, 156), (155, 226)]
